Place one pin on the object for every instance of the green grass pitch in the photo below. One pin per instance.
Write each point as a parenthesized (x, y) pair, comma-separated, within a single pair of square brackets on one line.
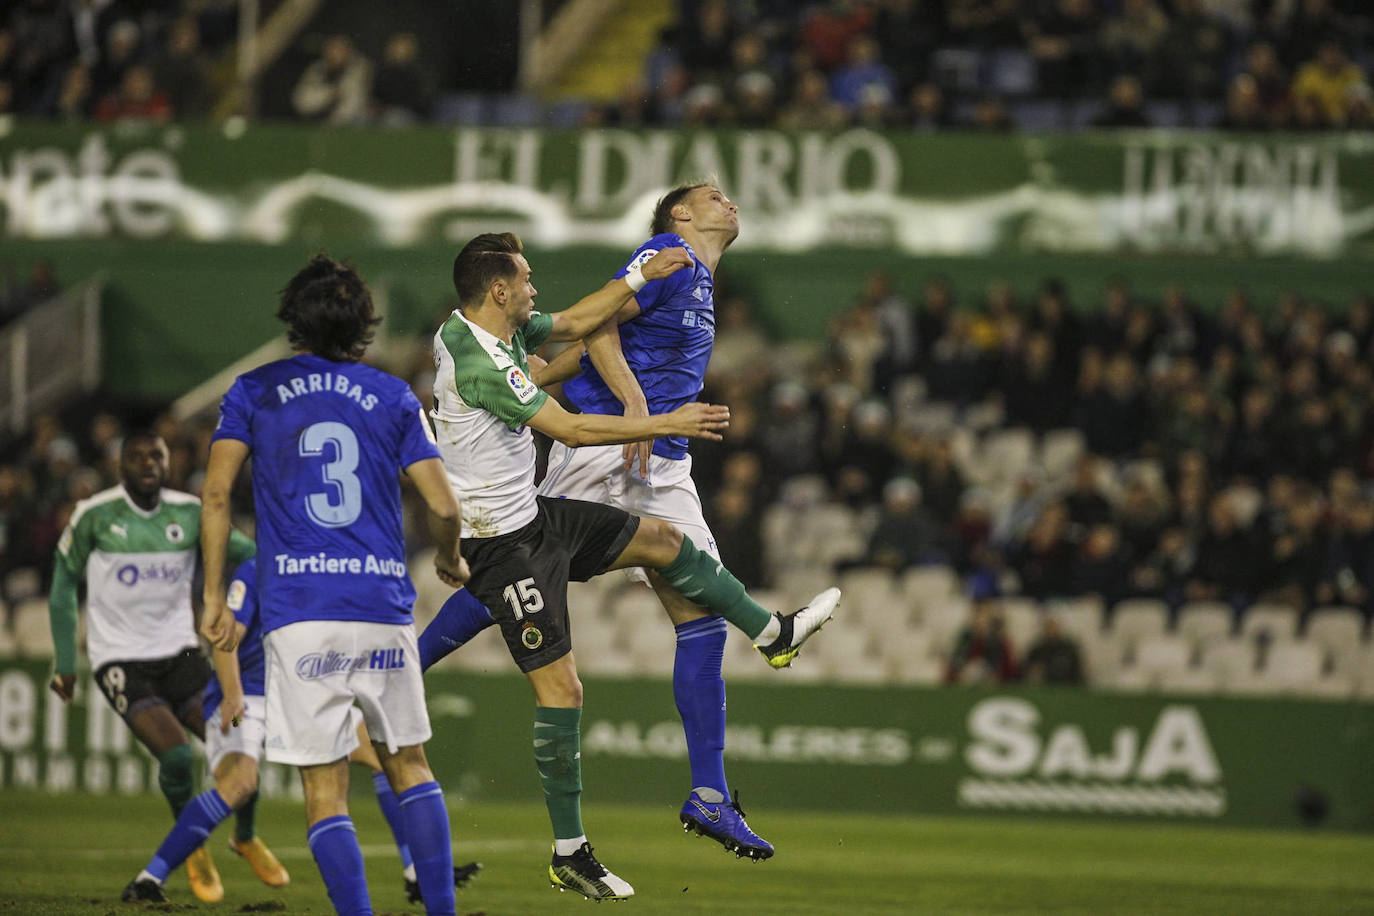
[(73, 854)]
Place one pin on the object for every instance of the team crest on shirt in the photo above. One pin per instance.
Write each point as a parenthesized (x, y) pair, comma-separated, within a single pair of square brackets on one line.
[(520, 383), (530, 637), (175, 533), (238, 590)]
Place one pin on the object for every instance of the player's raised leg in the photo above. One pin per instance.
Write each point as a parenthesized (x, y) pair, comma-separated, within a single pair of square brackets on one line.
[(699, 576), (461, 618)]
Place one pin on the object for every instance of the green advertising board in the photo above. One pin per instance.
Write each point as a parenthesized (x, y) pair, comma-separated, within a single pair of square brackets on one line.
[(920, 194), (908, 750)]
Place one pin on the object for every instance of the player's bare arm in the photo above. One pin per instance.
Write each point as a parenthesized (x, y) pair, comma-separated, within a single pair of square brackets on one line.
[(695, 420), (559, 369), (227, 670), (445, 519), (590, 312), (609, 359), (227, 456)]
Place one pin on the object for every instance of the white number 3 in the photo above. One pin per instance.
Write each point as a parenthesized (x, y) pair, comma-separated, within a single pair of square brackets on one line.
[(347, 502)]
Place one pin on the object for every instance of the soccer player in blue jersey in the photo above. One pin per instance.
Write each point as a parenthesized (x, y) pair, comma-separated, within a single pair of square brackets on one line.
[(650, 359), (327, 436), (234, 736)]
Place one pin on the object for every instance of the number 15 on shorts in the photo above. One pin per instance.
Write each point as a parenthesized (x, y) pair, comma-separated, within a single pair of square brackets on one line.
[(523, 597)]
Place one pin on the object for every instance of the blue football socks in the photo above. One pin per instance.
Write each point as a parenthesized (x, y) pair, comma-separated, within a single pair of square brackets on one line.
[(426, 829), (197, 821), (461, 618), (699, 691), (334, 843), (391, 810)]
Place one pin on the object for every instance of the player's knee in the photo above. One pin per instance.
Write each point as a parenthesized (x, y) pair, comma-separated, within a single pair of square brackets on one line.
[(237, 789), (174, 774), (665, 539)]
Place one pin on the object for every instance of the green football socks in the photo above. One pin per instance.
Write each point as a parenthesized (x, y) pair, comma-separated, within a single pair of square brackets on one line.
[(174, 776), (700, 577), (243, 819), (557, 753)]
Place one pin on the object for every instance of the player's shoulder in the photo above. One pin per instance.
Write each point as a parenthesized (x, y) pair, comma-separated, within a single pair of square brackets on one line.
[(379, 380), (96, 504), (178, 498), (470, 347), (657, 243)]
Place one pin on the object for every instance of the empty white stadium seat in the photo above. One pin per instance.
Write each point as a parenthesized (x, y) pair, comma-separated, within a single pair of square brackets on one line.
[(1008, 454), (1136, 618), (1339, 629), (871, 594), (1021, 621), (32, 631), (1059, 449), (1231, 659), (1188, 680), (1158, 654), (1201, 621), (1293, 665), (927, 585), (1080, 618), (1280, 621)]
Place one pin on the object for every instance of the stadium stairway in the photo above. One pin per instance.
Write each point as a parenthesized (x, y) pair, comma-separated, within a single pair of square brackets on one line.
[(614, 59)]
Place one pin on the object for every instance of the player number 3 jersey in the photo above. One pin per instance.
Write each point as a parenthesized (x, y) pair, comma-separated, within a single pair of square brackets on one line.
[(483, 397)]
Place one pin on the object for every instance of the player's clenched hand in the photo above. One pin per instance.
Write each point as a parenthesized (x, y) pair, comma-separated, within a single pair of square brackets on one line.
[(217, 625), (230, 712), (668, 261), (700, 421), (452, 573), (64, 685)]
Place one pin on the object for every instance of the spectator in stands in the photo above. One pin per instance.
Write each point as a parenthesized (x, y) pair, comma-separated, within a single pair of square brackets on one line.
[(928, 110), (982, 653), (1244, 111), (905, 534), (863, 69), (909, 32), (1053, 658), (1226, 560), (1165, 572), (123, 50), (1141, 514), (1193, 53), (942, 483), (827, 29), (138, 99), (1045, 559), (1271, 81), (183, 71), (985, 23), (789, 438), (1032, 392), (337, 87), (73, 102), (1102, 566), (864, 461), (957, 371), (1113, 416), (811, 107), (707, 39), (754, 100), (1350, 576), (1086, 505), (734, 518), (1131, 38), (1300, 556), (43, 45), (1332, 83), (403, 91), (990, 115), (1310, 23), (1126, 104), (1063, 40)]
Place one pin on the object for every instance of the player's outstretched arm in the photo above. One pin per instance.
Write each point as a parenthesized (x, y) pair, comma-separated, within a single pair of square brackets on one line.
[(695, 420), (445, 519), (591, 312), (226, 458), (559, 369)]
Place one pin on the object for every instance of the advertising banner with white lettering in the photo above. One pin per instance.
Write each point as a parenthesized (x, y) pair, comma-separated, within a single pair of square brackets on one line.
[(910, 751), (1146, 191)]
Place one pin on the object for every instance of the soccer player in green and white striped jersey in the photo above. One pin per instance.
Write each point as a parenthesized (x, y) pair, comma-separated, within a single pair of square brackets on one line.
[(136, 545)]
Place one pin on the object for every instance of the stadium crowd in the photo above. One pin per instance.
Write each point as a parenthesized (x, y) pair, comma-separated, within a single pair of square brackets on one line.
[(992, 64), (1140, 448), (1252, 65)]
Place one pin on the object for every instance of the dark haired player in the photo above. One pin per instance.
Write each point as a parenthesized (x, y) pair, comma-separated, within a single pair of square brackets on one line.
[(135, 544), (650, 359), (328, 436), (524, 548)]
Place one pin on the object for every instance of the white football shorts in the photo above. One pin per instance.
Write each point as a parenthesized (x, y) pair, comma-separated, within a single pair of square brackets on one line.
[(317, 670), (249, 736), (597, 474)]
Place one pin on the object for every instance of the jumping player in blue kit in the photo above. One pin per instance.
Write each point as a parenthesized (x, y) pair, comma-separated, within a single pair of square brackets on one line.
[(650, 359), (327, 436)]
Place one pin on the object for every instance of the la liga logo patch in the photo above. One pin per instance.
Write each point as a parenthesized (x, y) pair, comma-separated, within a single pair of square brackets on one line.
[(520, 383)]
